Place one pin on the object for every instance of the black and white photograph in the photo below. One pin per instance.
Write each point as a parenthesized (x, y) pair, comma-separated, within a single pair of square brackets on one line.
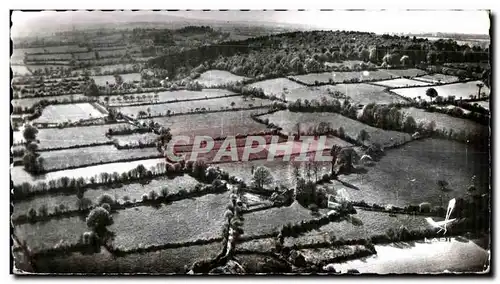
[(250, 142)]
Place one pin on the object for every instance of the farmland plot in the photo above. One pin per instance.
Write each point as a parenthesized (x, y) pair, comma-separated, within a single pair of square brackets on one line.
[(68, 112), (19, 175), (276, 86), (444, 121), (194, 106), (373, 223), (71, 136), (438, 78), (363, 93), (29, 102), (91, 155), (484, 104), (106, 68), (459, 90), (288, 120), (340, 77), (409, 174), (218, 77), (134, 191), (162, 261), (127, 78), (46, 235), (217, 124), (402, 82), (180, 221), (271, 220), (167, 96), (421, 257), (20, 70), (132, 139)]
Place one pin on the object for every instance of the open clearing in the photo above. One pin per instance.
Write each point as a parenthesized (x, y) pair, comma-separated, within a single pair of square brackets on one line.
[(439, 78), (162, 261), (212, 78), (180, 221), (29, 102), (420, 257), (409, 174), (373, 223), (71, 136), (45, 235), (340, 77), (217, 124), (271, 220), (287, 120), (484, 104), (167, 96), (363, 94), (444, 121), (127, 78), (402, 82), (19, 175), (133, 191), (194, 106), (459, 90), (276, 86), (91, 155), (69, 112), (20, 70)]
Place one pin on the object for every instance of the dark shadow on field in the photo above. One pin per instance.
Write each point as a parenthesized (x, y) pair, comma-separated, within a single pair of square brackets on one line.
[(403, 245), (344, 183)]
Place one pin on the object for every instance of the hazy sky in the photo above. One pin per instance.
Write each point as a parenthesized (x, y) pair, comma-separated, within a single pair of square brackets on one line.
[(379, 21)]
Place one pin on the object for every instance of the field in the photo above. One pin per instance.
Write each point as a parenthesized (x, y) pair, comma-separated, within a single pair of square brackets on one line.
[(444, 121), (20, 70), (143, 138), (373, 223), (106, 68), (212, 78), (363, 94), (167, 96), (340, 77), (91, 155), (402, 82), (29, 102), (276, 86), (287, 120), (19, 175), (133, 191), (181, 221), (484, 104), (409, 174), (194, 106), (66, 137), (69, 112), (459, 90), (438, 78), (110, 79), (216, 124), (420, 257), (348, 63), (162, 261), (271, 220), (41, 236)]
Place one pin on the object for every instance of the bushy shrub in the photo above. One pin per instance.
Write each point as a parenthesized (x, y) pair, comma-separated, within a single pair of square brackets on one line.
[(98, 219), (106, 206), (152, 195), (164, 192), (105, 198), (145, 197)]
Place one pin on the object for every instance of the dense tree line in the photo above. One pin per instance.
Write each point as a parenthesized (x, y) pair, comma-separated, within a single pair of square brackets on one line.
[(298, 52)]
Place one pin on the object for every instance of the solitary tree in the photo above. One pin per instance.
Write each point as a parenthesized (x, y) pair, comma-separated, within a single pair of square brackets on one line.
[(98, 219), (334, 152), (30, 133), (431, 93), (262, 176), (479, 86), (363, 136)]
